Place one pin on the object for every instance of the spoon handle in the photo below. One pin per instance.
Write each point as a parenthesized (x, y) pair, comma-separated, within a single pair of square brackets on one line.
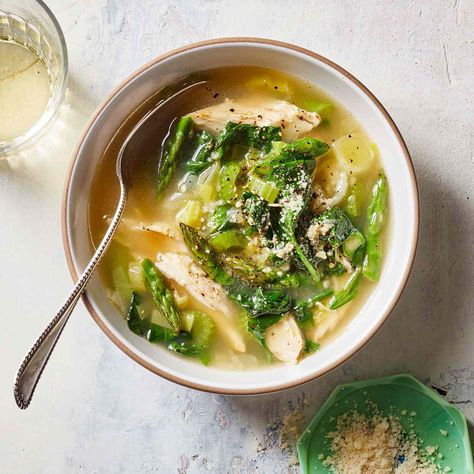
[(35, 361)]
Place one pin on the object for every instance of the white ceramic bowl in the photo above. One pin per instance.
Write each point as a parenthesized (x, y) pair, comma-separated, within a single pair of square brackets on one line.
[(345, 89)]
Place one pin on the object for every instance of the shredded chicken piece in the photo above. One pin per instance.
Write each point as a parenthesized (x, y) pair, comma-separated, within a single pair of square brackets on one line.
[(294, 122), (187, 274), (127, 225), (182, 270), (285, 340), (158, 227)]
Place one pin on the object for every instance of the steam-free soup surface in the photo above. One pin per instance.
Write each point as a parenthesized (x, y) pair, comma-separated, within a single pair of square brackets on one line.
[(271, 182)]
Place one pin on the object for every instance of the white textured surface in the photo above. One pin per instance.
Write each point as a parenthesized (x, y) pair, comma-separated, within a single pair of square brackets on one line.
[(95, 409)]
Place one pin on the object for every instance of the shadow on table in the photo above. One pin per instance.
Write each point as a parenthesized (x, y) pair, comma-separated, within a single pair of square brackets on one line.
[(420, 336)]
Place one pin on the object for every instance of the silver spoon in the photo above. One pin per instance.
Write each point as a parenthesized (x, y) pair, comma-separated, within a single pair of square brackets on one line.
[(35, 361)]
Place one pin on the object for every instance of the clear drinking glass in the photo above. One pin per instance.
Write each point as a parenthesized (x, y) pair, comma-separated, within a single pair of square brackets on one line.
[(31, 24)]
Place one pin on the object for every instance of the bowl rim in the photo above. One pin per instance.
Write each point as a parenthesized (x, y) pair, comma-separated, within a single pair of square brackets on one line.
[(277, 386)]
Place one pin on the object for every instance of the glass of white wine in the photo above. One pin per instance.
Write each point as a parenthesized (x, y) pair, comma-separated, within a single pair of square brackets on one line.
[(33, 70)]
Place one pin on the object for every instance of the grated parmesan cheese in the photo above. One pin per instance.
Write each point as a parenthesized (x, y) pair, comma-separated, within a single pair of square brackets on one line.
[(376, 445)]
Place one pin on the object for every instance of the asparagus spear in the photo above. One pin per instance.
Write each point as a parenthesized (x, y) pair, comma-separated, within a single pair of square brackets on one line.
[(161, 294), (170, 156), (205, 255), (375, 219), (348, 292)]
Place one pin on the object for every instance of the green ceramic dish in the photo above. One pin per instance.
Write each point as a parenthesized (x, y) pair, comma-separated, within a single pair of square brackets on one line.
[(436, 422)]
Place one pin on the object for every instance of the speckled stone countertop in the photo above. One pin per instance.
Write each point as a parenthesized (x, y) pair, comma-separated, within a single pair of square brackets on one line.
[(98, 411)]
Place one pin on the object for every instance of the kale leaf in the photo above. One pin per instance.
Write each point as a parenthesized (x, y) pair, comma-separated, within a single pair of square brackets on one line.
[(257, 212), (209, 148), (261, 301)]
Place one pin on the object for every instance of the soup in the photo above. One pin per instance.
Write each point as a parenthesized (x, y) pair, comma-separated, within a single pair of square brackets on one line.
[(254, 227)]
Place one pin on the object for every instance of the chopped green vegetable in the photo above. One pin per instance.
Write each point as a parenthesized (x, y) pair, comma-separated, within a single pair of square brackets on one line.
[(232, 239), (303, 308), (227, 180), (373, 258), (290, 166), (123, 287), (203, 329), (348, 292), (311, 346), (183, 347), (354, 247), (375, 218), (245, 269), (220, 220), (265, 189), (199, 326), (250, 273), (162, 296), (319, 107), (293, 280), (207, 183), (202, 333), (135, 275), (171, 152), (187, 320), (352, 206), (354, 152), (191, 213)]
